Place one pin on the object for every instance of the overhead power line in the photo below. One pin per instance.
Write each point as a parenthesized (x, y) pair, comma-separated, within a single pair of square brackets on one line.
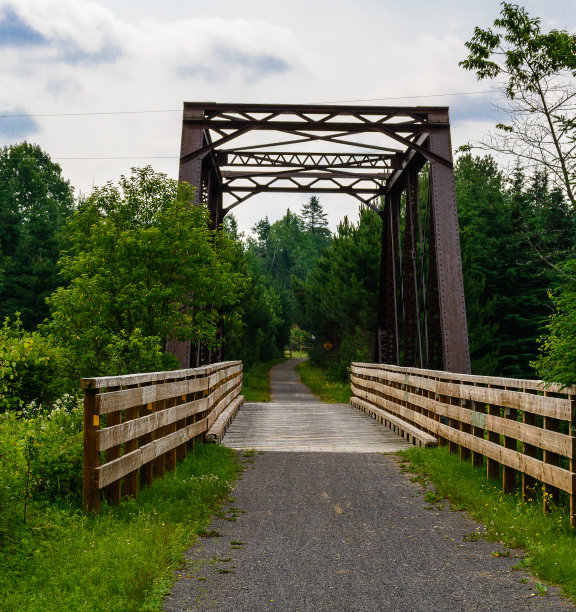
[(460, 93), (179, 110)]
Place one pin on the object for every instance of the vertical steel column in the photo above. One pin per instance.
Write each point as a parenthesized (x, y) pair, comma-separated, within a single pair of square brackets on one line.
[(214, 194), (190, 172), (435, 360), (411, 340), (387, 349), (447, 242)]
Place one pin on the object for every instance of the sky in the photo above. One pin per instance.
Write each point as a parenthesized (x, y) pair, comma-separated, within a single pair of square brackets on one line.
[(99, 84)]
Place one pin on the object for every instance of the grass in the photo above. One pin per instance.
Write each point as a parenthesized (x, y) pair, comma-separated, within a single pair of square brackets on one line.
[(296, 354), (548, 540), (332, 392), (256, 381), (121, 560)]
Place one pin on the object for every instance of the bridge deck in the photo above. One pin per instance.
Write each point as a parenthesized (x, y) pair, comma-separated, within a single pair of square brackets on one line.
[(295, 421)]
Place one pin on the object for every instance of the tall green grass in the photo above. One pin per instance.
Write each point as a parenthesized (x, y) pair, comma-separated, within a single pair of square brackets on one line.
[(256, 381), (330, 391), (548, 539), (122, 560)]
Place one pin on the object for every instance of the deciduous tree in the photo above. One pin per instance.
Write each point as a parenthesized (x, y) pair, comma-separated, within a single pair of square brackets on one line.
[(538, 70), (142, 266)]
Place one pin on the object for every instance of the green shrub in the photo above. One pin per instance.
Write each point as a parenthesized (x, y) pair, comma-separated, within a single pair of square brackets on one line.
[(56, 464), (31, 368), (40, 458)]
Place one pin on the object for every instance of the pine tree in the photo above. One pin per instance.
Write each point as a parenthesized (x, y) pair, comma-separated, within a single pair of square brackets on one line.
[(314, 217), (34, 202)]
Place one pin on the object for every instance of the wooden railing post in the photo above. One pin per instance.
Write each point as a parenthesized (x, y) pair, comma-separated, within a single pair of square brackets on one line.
[(113, 490), (572, 430), (478, 417), (91, 492), (170, 456), (493, 467), (147, 470), (466, 428), (454, 424), (131, 479), (509, 475), (550, 493), (529, 483)]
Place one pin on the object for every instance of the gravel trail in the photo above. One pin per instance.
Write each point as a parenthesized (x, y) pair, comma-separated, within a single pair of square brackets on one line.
[(316, 531)]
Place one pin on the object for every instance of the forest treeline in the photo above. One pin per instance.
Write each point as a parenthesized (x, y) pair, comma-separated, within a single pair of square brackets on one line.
[(516, 233), (96, 285)]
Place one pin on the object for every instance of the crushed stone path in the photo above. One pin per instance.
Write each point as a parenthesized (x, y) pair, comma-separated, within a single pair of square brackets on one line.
[(334, 531)]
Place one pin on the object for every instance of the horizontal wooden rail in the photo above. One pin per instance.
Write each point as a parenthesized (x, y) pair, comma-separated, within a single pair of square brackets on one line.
[(524, 429), (138, 426)]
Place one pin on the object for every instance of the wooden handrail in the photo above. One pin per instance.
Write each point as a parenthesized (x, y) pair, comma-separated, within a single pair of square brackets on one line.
[(522, 427), (143, 423)]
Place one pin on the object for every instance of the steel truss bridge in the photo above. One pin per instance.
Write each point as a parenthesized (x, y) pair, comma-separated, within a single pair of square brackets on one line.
[(395, 160)]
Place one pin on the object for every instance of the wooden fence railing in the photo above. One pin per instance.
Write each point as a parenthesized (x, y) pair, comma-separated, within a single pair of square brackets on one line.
[(138, 426), (521, 425)]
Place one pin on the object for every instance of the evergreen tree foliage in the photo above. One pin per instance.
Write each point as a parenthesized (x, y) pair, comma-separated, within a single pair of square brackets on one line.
[(314, 217), (282, 254), (35, 201), (340, 295), (254, 335), (513, 234)]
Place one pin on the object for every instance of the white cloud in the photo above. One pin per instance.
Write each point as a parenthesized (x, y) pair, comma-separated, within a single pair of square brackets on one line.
[(74, 56), (73, 31)]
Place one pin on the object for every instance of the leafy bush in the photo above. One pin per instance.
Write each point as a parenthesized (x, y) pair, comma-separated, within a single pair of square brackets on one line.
[(557, 359), (31, 368), (56, 464), (40, 457)]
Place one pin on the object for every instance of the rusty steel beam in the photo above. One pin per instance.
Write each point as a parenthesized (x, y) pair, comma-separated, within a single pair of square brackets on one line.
[(306, 173), (295, 189), (449, 264), (314, 161), (422, 112), (288, 126), (421, 312)]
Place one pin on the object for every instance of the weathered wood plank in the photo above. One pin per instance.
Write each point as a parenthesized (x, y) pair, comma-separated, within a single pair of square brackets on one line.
[(113, 471), (309, 426), (154, 377), (128, 398), (558, 408), (548, 474), (494, 381), (218, 428), (524, 432), (422, 436), (91, 491), (129, 430)]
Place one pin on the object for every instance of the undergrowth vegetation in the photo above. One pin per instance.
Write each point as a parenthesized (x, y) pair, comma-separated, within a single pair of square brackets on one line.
[(256, 381), (548, 539), (58, 558), (328, 389)]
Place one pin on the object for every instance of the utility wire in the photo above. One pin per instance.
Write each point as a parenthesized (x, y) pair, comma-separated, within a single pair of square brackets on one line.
[(179, 110), (460, 93)]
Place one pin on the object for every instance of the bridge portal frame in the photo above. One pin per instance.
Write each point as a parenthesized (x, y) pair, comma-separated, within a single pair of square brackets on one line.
[(374, 154)]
